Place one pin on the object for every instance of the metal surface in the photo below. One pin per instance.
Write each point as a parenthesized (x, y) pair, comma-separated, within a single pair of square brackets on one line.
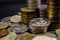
[(53, 13), (27, 15), (32, 4)]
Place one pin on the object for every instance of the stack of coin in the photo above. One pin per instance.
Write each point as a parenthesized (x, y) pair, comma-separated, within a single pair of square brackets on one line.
[(53, 13), (32, 4), (27, 15), (59, 16), (43, 11)]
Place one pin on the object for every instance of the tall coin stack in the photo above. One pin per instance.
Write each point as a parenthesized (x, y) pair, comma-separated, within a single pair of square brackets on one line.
[(59, 15), (53, 12), (30, 12), (33, 5)]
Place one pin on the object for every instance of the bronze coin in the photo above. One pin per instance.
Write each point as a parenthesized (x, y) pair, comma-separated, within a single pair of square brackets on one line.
[(3, 32)]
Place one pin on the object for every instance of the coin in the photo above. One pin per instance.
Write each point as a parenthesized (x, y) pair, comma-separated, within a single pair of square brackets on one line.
[(3, 25), (32, 4), (6, 19), (27, 15), (15, 18), (27, 36), (10, 36), (18, 28), (3, 32)]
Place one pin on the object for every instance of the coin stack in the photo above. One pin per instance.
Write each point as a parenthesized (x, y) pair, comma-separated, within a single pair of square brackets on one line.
[(29, 12), (53, 13), (27, 15), (59, 15), (33, 4)]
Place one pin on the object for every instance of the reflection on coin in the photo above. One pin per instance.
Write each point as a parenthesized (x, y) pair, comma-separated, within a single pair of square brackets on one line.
[(3, 25), (19, 13), (10, 36), (15, 18), (18, 28), (3, 32)]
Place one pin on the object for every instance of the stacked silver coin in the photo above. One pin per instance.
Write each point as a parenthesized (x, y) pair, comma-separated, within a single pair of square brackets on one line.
[(32, 4)]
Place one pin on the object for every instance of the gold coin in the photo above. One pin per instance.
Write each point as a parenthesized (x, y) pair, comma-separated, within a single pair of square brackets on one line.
[(51, 3), (3, 32), (26, 10), (27, 36)]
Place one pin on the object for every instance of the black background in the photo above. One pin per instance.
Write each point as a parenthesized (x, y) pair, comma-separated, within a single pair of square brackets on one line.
[(11, 7)]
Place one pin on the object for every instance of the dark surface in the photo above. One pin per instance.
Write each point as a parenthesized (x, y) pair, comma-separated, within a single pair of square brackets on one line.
[(11, 7)]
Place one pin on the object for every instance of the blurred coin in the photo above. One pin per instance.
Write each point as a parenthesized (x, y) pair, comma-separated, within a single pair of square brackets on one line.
[(6, 19), (43, 7), (27, 36), (18, 28), (3, 25), (19, 13), (58, 32), (15, 18), (45, 37), (3, 32), (10, 36)]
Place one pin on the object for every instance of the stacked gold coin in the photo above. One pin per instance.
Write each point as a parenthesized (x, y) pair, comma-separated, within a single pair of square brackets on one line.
[(27, 15), (53, 13)]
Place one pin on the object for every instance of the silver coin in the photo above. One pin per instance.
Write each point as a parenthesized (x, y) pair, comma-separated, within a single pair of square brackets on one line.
[(18, 28), (6, 19)]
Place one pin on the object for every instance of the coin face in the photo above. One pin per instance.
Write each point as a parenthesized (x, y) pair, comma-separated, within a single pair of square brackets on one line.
[(39, 22), (3, 32), (10, 36), (15, 18), (3, 25), (39, 25), (18, 28)]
